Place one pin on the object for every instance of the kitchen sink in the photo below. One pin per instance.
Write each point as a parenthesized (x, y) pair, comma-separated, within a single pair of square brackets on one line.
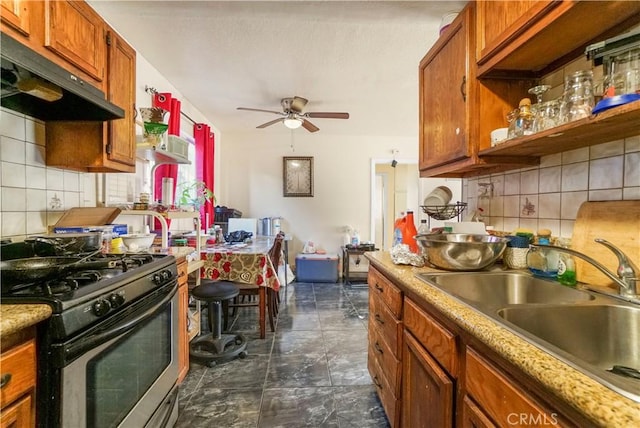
[(596, 334), (499, 289)]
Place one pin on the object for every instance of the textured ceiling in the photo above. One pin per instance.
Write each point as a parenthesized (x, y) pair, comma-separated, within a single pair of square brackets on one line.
[(359, 57)]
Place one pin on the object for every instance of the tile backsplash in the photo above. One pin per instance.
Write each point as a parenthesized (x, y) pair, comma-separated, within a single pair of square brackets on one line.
[(549, 196), (32, 194)]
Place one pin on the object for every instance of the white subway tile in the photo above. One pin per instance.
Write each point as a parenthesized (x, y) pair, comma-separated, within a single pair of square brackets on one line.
[(511, 224), (71, 181), (12, 125), (550, 179), (632, 144), (35, 155), (12, 150), (575, 176), (55, 179), (529, 223), (13, 175), (34, 131), (36, 200), (512, 184), (36, 177), (606, 173), (512, 206), (570, 203), (498, 184), (549, 206), (14, 199), (36, 222), (604, 150), (632, 169), (529, 206), (13, 223), (605, 195), (551, 160), (497, 206), (577, 155), (529, 182), (55, 200), (566, 228), (71, 200), (631, 193)]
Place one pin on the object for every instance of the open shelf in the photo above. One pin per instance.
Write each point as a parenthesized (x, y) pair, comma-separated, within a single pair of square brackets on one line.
[(176, 153)]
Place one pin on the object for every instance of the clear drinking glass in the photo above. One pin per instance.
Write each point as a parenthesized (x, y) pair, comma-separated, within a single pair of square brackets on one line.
[(546, 115), (578, 99), (511, 118)]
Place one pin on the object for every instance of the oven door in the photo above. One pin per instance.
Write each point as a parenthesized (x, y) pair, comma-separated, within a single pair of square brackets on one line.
[(124, 373)]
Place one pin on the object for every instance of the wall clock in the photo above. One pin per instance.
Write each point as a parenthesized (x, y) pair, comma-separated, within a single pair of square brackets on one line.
[(297, 174)]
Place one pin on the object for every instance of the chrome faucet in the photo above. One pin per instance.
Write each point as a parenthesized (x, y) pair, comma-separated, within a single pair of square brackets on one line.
[(627, 272)]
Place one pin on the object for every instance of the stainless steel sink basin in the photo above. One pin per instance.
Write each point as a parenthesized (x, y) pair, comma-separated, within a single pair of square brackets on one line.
[(595, 337), (499, 289)]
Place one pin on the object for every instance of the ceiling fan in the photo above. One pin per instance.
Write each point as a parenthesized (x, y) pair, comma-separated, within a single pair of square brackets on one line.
[(293, 117)]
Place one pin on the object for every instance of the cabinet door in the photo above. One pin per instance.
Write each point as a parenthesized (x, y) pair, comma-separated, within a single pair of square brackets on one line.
[(75, 32), (499, 22), (427, 390), (121, 91), (445, 80), (19, 414), (473, 417), (15, 13), (183, 308)]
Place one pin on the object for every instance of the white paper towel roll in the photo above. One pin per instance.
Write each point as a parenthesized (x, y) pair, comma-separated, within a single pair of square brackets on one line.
[(167, 191)]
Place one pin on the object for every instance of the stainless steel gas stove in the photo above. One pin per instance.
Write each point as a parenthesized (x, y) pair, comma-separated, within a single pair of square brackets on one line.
[(108, 356)]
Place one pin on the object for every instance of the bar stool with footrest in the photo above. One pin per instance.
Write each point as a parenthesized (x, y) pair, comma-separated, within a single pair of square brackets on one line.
[(215, 347)]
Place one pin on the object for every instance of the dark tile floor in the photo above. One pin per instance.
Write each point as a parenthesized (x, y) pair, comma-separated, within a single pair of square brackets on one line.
[(312, 372)]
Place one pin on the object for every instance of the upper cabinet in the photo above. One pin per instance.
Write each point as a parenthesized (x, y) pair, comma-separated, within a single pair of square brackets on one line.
[(76, 33), (485, 62), (15, 13)]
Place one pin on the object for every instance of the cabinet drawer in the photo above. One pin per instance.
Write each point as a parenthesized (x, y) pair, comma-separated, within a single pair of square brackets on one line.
[(436, 339), (18, 371), (380, 352), (389, 400), (499, 398), (389, 293), (382, 320), (183, 276)]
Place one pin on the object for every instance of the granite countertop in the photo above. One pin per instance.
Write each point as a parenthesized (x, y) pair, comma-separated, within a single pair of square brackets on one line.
[(14, 318), (597, 402)]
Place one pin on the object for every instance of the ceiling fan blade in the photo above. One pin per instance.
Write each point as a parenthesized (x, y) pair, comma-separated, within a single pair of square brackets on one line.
[(259, 109), (309, 126), (264, 125), (298, 103), (327, 115)]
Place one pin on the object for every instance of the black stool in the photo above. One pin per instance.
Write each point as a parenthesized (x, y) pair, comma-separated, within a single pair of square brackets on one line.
[(215, 347)]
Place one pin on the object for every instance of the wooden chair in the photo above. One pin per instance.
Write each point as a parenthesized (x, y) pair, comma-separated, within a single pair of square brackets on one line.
[(265, 298)]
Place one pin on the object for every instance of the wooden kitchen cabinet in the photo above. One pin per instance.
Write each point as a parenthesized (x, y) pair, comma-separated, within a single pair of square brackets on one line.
[(183, 314), (503, 49), (101, 146), (15, 13), (472, 416), (385, 342), (75, 32), (18, 378)]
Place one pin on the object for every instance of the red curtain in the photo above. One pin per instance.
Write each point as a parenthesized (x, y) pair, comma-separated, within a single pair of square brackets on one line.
[(204, 167), (165, 101)]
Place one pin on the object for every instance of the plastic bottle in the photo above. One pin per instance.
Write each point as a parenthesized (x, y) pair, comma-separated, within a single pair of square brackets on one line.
[(424, 228), (398, 228), (566, 266), (541, 261), (409, 232), (524, 121), (355, 238)]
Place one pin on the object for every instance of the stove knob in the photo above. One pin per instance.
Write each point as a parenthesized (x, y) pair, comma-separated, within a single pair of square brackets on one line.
[(101, 307), (116, 300), (156, 279), (166, 275)]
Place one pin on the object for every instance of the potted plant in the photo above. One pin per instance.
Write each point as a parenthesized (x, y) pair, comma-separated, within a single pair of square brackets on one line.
[(194, 195)]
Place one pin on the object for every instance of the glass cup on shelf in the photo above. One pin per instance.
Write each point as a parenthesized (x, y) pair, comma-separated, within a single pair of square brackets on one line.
[(546, 115), (511, 118), (577, 99)]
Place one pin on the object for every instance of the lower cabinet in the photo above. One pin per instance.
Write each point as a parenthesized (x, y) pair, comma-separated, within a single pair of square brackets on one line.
[(473, 416), (18, 384), (427, 390), (183, 314)]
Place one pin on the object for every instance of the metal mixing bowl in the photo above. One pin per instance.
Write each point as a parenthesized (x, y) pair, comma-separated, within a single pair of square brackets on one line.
[(461, 251)]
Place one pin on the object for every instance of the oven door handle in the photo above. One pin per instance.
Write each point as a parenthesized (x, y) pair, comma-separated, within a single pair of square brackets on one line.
[(92, 341)]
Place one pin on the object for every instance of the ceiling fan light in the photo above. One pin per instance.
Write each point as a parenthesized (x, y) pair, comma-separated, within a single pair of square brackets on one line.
[(292, 123)]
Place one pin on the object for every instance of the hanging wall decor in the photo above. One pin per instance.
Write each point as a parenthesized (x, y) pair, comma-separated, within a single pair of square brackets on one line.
[(297, 175)]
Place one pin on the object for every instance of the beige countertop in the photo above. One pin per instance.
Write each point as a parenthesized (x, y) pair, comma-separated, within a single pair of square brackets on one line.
[(597, 402), (14, 318)]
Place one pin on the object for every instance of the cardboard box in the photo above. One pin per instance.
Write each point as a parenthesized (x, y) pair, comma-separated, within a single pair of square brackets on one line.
[(317, 267), (90, 219)]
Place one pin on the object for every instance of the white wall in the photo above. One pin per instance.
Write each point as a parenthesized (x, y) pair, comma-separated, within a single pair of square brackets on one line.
[(251, 181)]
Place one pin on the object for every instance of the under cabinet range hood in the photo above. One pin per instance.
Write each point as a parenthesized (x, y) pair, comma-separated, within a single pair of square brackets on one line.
[(35, 86)]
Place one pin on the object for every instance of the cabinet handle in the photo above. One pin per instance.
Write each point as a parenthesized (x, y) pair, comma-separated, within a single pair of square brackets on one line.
[(377, 382), (378, 348), (379, 319), (380, 289), (5, 379), (463, 89)]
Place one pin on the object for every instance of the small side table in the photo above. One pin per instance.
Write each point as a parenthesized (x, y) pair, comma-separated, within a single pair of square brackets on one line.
[(348, 253)]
